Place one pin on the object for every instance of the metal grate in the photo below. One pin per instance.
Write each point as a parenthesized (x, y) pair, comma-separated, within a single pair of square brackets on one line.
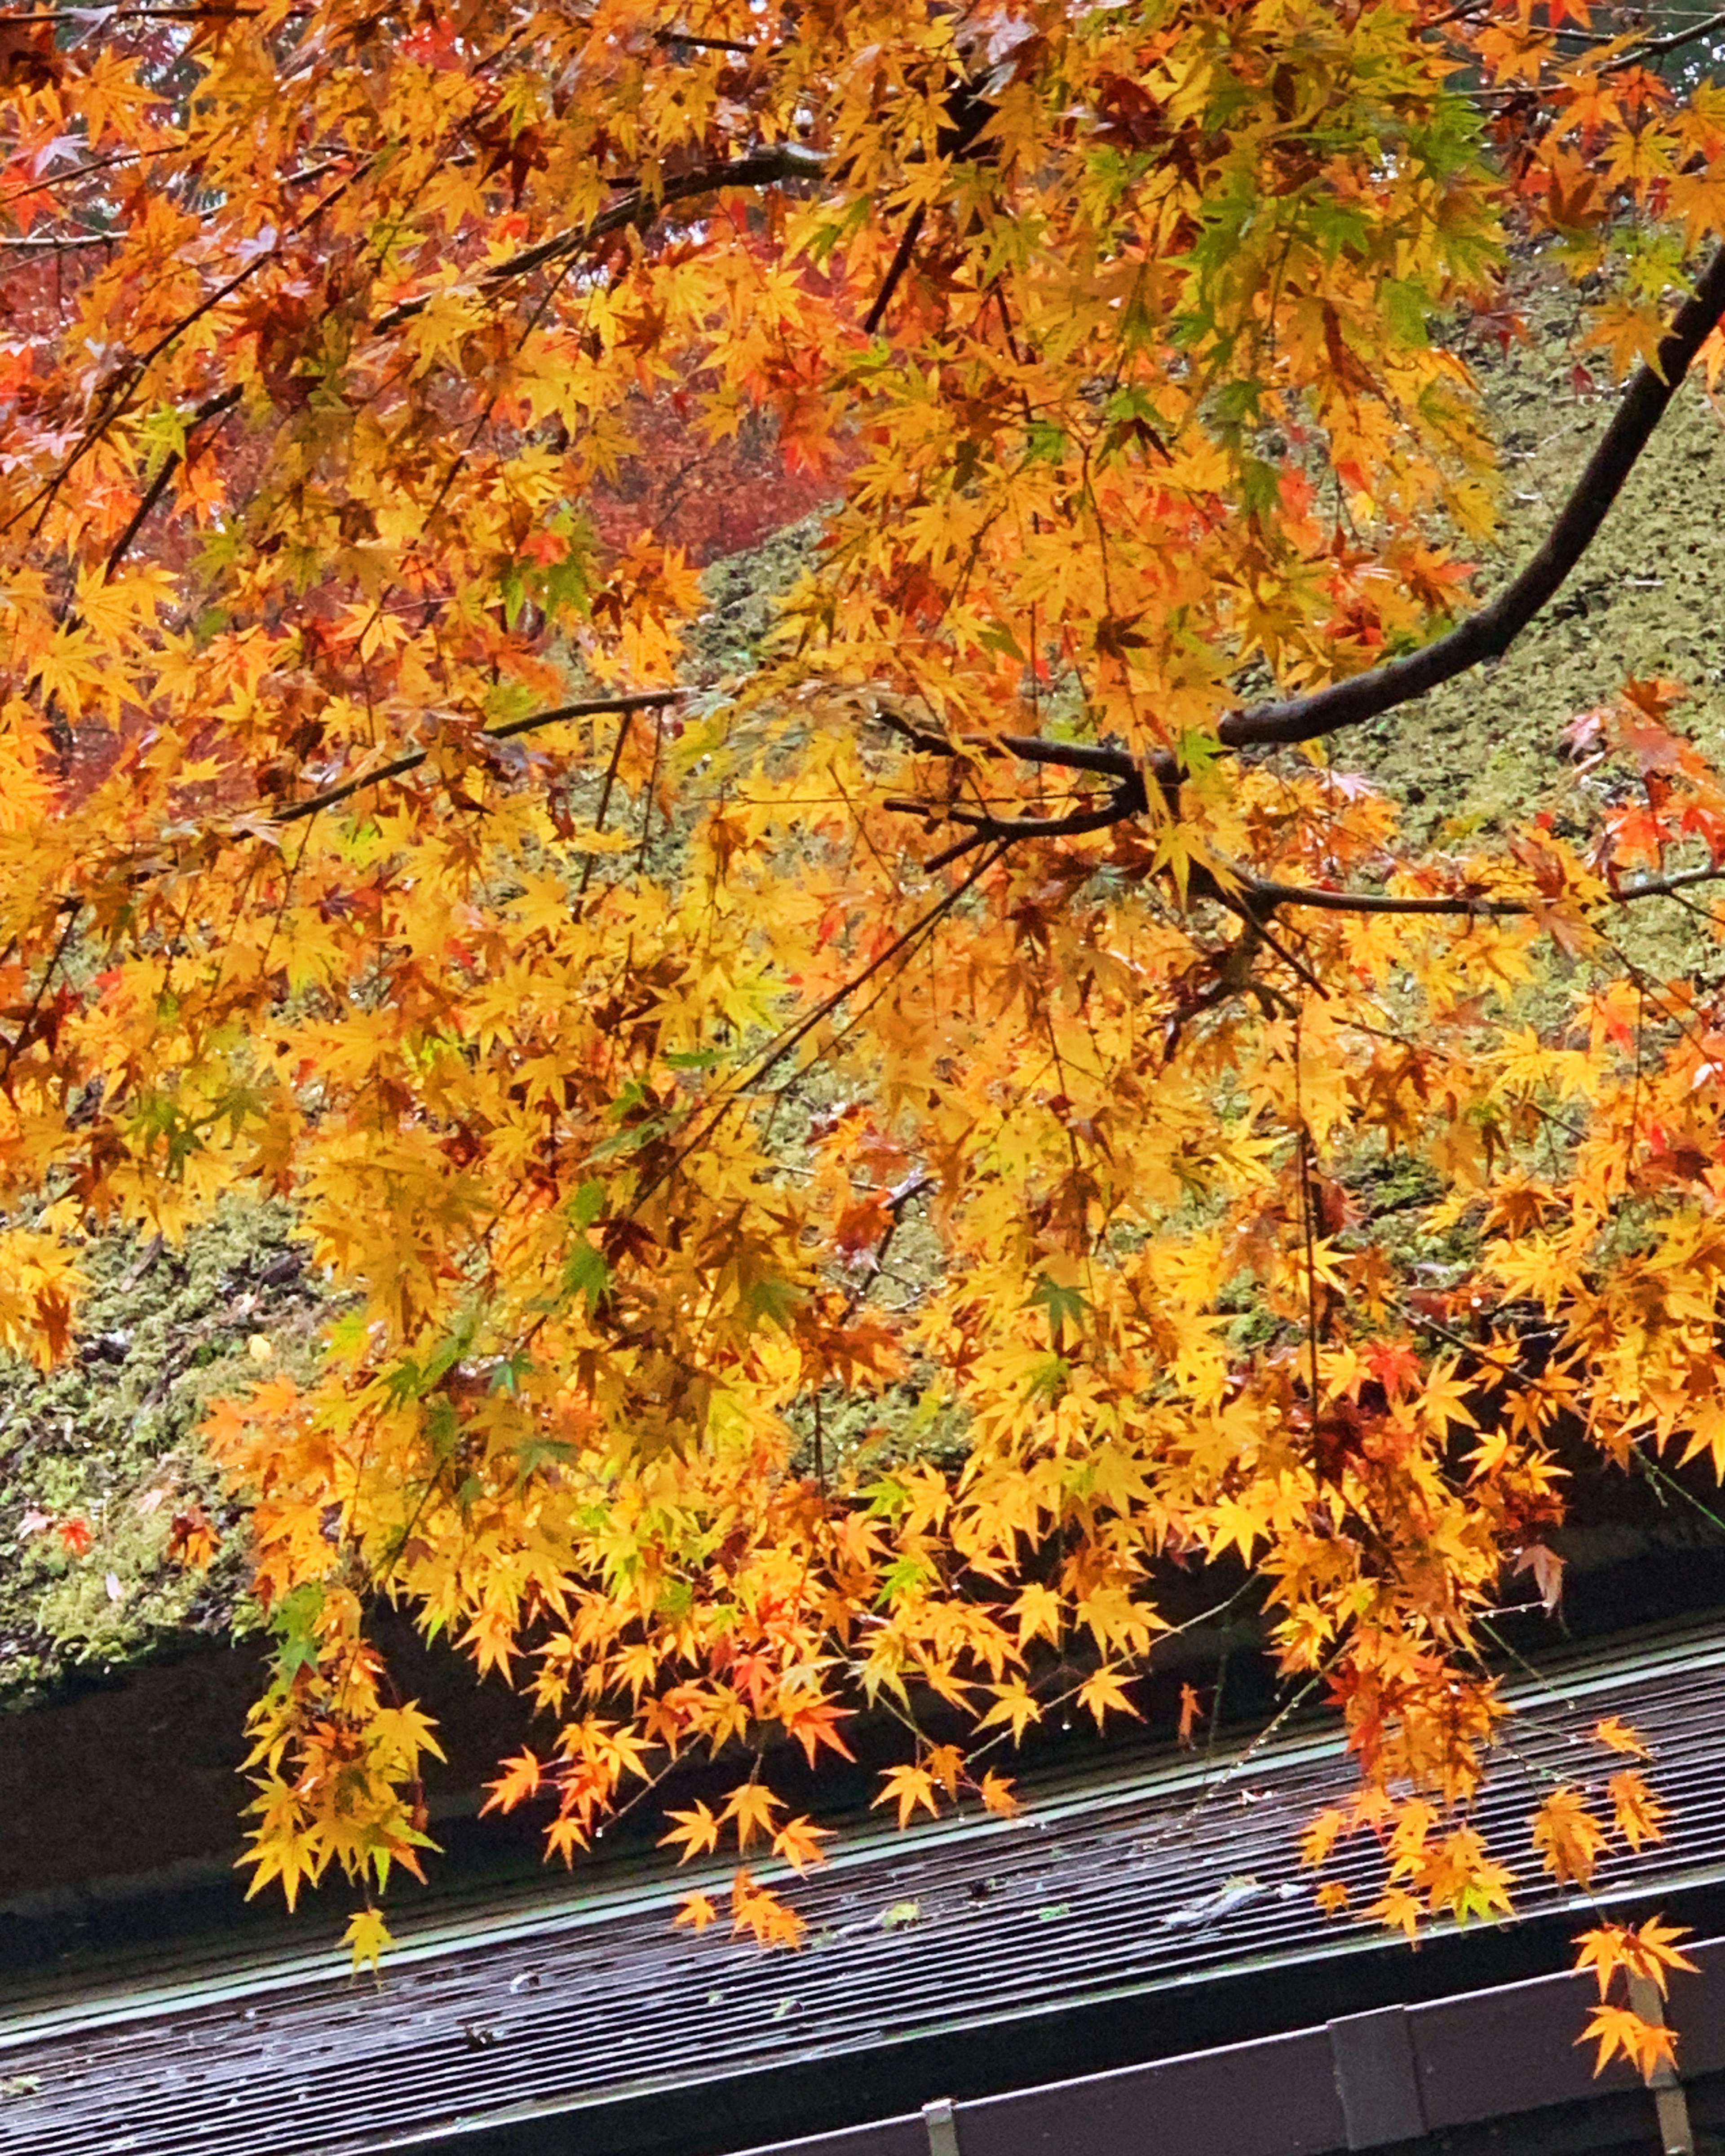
[(1171, 1877)]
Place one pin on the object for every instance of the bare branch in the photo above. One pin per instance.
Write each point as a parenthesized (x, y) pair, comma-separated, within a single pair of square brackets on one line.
[(36, 243), (1070, 756), (211, 408)]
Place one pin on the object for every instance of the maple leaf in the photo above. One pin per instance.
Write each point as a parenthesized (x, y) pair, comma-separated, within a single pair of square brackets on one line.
[(1013, 1705), (798, 1841), (696, 1832), (523, 1778), (751, 1805), (909, 1788), (1547, 1568), (1399, 1909), (757, 1910), (76, 1535), (1190, 1709), (1103, 1692), (1321, 1836), (996, 1792), (817, 1725), (1617, 1736), (946, 1763), (696, 1910), (1039, 1613), (565, 1836), (1568, 1836), (1644, 2044), (1649, 1950), (367, 1936), (1637, 1810), (1331, 1897)]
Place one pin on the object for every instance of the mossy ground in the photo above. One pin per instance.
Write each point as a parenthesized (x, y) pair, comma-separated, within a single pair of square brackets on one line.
[(108, 1441)]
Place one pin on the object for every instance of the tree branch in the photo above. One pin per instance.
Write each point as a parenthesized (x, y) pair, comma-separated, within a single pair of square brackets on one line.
[(589, 707), (761, 168), (1070, 756), (1370, 902), (1657, 48), (210, 408), (1489, 634)]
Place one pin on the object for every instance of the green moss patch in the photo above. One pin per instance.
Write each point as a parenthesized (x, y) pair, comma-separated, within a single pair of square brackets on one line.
[(100, 1456)]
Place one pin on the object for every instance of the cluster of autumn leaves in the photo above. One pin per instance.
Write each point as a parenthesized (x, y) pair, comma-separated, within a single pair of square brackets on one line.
[(1425, 1851), (615, 1033)]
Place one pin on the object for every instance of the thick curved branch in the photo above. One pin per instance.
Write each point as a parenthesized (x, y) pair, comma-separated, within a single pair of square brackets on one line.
[(1489, 634), (1070, 756), (1486, 634)]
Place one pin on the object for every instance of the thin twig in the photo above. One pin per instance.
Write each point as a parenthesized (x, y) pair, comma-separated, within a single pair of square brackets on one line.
[(784, 161), (590, 707)]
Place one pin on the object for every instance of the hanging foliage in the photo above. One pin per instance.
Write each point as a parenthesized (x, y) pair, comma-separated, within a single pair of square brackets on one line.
[(363, 844)]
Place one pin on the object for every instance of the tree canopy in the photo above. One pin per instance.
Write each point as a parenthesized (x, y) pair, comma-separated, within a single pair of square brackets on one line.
[(368, 843)]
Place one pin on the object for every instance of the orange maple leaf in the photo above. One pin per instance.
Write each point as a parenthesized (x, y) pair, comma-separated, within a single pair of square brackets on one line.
[(755, 1908), (751, 1805), (696, 1831), (799, 1840), (1617, 1736), (1568, 1836), (1638, 1811), (1649, 1950), (817, 1724), (1644, 2044), (522, 1778), (996, 1793)]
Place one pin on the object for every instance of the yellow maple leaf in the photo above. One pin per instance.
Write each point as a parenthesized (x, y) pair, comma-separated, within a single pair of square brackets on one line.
[(1103, 1692), (1014, 1705), (1617, 1736), (1399, 1909), (752, 1804), (909, 1788), (369, 1937), (1320, 1836)]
